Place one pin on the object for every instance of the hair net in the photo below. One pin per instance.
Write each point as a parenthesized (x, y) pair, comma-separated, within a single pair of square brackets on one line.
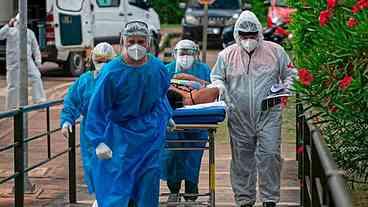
[(247, 22), (136, 28), (103, 52)]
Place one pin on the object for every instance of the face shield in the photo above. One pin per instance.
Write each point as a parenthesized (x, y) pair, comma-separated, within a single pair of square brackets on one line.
[(185, 53)]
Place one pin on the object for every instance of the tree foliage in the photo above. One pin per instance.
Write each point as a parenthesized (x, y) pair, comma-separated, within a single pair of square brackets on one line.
[(330, 45), (168, 10)]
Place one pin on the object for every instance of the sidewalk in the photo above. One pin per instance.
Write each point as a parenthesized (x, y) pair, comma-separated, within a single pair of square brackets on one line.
[(52, 179), (52, 182)]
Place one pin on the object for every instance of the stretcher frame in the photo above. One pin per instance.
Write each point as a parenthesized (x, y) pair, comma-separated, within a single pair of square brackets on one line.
[(211, 128)]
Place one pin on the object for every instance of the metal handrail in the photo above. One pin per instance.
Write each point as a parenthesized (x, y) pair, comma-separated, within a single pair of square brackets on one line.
[(322, 184), (20, 140)]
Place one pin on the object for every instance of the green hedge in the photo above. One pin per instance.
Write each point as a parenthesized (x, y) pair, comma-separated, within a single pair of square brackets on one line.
[(330, 45), (260, 9), (168, 10)]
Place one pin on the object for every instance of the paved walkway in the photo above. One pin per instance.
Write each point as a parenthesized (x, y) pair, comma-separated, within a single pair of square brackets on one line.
[(51, 179)]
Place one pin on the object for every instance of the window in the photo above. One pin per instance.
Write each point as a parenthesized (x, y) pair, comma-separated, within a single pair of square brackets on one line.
[(70, 5), (108, 3), (143, 4), (218, 4)]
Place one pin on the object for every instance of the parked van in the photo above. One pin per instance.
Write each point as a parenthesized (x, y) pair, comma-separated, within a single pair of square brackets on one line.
[(68, 29)]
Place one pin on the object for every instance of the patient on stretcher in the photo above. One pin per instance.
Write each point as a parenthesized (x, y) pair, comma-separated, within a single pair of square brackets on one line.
[(190, 90)]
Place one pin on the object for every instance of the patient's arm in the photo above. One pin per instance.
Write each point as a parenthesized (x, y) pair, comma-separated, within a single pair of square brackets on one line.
[(204, 95)]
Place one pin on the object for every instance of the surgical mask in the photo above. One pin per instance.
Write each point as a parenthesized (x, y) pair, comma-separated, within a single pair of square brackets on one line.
[(185, 61), (98, 66), (136, 52), (249, 44)]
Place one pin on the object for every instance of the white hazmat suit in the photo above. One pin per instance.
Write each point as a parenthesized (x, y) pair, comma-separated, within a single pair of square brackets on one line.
[(11, 34), (245, 79)]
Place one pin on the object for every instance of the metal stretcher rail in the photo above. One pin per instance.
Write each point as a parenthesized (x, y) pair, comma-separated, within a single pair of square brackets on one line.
[(211, 128)]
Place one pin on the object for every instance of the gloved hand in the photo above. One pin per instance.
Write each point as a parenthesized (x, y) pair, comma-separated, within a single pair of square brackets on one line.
[(95, 204), (103, 152), (38, 64), (67, 127), (171, 125), (11, 22)]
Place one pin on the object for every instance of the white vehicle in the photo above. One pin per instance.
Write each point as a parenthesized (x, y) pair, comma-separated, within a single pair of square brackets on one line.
[(68, 29)]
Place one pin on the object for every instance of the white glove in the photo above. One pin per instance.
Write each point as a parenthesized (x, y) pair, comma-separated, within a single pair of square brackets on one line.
[(67, 127), (95, 204), (103, 152), (171, 125), (38, 64)]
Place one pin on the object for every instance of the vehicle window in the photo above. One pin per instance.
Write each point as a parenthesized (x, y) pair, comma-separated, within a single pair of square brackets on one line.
[(108, 3), (70, 5), (144, 4), (218, 4)]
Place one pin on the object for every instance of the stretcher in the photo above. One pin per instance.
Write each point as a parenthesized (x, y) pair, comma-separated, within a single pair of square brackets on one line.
[(206, 118)]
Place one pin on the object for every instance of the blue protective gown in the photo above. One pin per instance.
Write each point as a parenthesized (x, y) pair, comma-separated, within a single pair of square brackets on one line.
[(75, 105), (129, 112), (185, 165)]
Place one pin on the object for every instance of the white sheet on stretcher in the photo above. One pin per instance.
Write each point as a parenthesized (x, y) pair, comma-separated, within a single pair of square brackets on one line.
[(206, 105)]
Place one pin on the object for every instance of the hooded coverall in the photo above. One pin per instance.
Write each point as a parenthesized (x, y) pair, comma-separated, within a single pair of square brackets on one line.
[(11, 35), (245, 79)]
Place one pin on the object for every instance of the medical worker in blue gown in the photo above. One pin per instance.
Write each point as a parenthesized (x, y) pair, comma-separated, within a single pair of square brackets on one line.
[(76, 104), (185, 165), (126, 124)]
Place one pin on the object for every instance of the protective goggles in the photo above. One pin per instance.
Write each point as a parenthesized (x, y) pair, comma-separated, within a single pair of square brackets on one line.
[(191, 52), (136, 28)]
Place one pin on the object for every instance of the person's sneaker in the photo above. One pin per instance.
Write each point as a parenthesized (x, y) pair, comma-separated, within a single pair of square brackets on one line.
[(269, 204), (173, 198)]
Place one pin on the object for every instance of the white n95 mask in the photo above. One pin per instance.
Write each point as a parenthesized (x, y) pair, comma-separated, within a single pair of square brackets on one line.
[(185, 61), (249, 44), (136, 52), (98, 66)]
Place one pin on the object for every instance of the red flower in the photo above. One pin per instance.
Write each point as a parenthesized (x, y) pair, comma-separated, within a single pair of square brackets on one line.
[(355, 9), (345, 82), (305, 77), (290, 65), (300, 150), (324, 17), (331, 4), (360, 5), (333, 109), (352, 22)]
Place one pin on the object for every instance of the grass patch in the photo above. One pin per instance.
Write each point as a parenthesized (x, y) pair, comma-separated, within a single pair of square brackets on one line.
[(288, 126), (170, 26)]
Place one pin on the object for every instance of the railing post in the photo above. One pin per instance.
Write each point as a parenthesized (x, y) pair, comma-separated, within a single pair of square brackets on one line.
[(315, 173), (19, 158), (305, 140), (299, 149), (48, 128), (212, 167), (72, 167)]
